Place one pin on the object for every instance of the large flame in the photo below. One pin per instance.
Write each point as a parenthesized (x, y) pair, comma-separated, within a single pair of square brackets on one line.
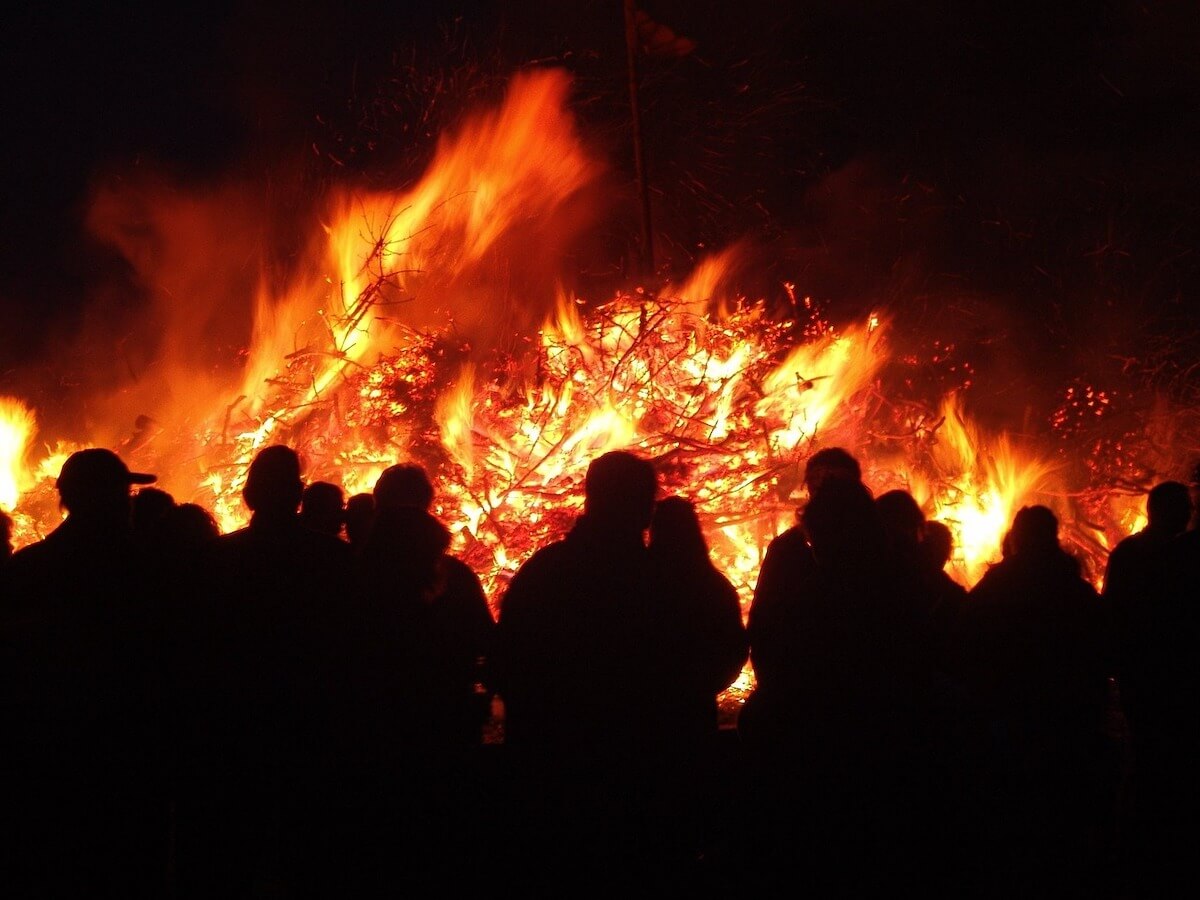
[(426, 324), (18, 424), (980, 483), (411, 257)]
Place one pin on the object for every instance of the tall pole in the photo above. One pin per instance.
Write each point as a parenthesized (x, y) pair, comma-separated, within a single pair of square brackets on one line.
[(646, 258)]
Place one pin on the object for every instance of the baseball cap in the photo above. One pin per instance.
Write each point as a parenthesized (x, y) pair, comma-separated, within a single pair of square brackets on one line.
[(97, 467)]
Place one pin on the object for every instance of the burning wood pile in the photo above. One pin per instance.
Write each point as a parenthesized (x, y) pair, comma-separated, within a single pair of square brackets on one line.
[(387, 349)]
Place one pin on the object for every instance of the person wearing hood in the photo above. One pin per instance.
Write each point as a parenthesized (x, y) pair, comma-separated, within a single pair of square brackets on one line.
[(427, 682), (438, 607)]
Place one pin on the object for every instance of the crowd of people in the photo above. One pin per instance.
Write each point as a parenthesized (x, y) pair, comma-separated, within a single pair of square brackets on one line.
[(298, 708)]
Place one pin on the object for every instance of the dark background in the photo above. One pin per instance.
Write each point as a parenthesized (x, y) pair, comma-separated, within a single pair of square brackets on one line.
[(1021, 178)]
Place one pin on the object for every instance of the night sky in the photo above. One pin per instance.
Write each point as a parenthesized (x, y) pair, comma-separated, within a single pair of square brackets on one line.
[(1014, 163)]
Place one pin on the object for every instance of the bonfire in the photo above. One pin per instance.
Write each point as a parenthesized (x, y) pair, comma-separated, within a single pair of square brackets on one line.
[(392, 344)]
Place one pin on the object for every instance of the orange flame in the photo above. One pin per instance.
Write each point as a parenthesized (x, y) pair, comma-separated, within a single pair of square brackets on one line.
[(411, 257), (427, 324), (981, 484), (18, 424)]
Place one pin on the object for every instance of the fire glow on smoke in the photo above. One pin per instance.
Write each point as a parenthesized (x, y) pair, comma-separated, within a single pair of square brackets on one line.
[(398, 342)]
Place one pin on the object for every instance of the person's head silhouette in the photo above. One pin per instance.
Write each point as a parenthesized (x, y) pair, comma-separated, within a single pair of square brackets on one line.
[(191, 525), (937, 544), (403, 485), (150, 506), (360, 512), (1169, 507), (675, 530), (273, 483), (843, 524), (619, 491), (322, 507), (1034, 532), (831, 463), (902, 517), (402, 533), (95, 483)]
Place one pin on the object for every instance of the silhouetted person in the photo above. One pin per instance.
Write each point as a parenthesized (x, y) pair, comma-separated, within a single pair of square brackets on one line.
[(788, 560), (960, 731), (904, 524), (1039, 645), (405, 555), (360, 512), (183, 542), (698, 611), (943, 724), (440, 603), (1151, 580), (831, 728), (946, 594), (191, 527), (6, 538), (921, 549), (83, 778), (904, 521), (574, 651), (789, 567), (433, 635), (266, 695), (1134, 584), (322, 507), (6, 552), (150, 507), (937, 545), (701, 647)]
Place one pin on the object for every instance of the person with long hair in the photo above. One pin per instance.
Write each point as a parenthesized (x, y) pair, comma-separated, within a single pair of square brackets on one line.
[(696, 626)]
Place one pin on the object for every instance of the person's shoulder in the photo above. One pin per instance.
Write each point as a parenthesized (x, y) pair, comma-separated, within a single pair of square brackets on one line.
[(549, 555), (29, 553), (992, 579), (1085, 589), (231, 543), (788, 556), (237, 536), (718, 582), (790, 539), (546, 565), (947, 587), (1127, 545), (26, 564), (788, 549), (456, 568), (58, 544), (1136, 546), (461, 579)]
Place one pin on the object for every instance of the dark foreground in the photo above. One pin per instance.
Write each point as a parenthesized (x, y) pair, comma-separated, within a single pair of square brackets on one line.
[(493, 829), (490, 827)]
